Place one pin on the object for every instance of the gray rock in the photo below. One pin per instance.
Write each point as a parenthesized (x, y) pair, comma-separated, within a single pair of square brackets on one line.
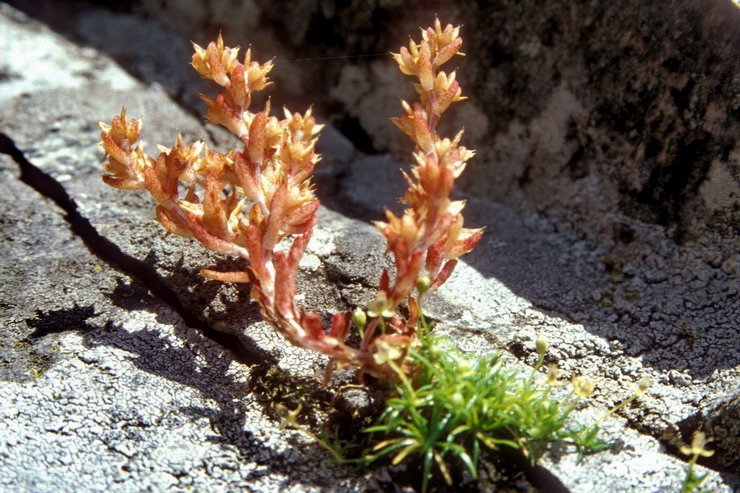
[(112, 367)]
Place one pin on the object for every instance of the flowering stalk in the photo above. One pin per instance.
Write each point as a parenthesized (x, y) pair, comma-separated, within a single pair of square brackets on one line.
[(427, 239), (245, 202)]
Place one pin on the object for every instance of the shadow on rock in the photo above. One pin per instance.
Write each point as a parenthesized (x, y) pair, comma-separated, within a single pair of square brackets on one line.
[(193, 365), (647, 302)]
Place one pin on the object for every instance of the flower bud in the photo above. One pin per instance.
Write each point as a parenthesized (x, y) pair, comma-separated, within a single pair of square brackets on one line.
[(422, 284), (359, 318), (457, 400), (434, 352), (541, 345)]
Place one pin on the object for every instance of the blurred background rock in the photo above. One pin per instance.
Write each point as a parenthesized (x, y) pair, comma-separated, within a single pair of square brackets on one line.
[(599, 114)]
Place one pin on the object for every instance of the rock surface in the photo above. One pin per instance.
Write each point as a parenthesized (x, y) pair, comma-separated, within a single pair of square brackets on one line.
[(121, 368)]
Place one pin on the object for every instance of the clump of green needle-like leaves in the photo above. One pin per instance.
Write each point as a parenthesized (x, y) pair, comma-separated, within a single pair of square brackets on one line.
[(454, 408)]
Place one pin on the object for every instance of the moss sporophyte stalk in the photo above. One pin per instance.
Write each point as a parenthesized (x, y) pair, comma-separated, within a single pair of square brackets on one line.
[(444, 409), (692, 482)]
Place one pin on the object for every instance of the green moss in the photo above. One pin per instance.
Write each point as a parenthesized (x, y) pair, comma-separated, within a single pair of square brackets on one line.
[(456, 408)]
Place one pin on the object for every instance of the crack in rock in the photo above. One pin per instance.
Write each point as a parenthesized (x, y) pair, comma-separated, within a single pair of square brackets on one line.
[(110, 253)]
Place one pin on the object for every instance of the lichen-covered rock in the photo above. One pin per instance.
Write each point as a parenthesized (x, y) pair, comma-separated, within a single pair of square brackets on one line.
[(134, 389)]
